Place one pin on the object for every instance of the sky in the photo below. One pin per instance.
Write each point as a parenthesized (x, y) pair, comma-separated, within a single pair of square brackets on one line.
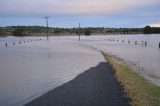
[(90, 13)]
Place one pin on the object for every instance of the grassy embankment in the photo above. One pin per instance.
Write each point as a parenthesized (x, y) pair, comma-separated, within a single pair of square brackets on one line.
[(141, 91)]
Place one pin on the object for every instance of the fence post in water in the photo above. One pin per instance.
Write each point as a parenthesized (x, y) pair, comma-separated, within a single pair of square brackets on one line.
[(13, 43), (117, 40), (129, 42), (135, 42), (159, 44), (6, 45), (122, 40), (145, 43)]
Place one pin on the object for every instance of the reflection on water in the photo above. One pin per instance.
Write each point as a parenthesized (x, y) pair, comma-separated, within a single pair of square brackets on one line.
[(48, 55)]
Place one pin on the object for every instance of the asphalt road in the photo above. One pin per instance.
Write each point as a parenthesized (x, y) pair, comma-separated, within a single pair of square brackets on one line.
[(97, 86)]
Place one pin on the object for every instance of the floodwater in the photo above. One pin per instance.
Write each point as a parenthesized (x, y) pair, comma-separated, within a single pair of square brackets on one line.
[(31, 66), (132, 49), (30, 69)]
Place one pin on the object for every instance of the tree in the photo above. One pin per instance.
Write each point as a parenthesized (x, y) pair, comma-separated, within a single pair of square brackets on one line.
[(87, 32), (147, 30), (18, 32)]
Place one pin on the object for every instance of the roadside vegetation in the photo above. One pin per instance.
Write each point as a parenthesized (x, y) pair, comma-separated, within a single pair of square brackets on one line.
[(141, 91)]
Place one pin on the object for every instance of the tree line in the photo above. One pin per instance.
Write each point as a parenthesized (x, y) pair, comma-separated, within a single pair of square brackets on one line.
[(41, 30), (151, 30)]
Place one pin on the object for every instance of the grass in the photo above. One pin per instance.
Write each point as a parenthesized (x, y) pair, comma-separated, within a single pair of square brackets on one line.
[(141, 91)]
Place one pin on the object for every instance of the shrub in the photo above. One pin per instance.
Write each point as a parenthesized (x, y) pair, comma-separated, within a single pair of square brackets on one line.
[(87, 32), (18, 32)]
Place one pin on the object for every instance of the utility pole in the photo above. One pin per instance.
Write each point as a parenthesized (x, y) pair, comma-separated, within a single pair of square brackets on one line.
[(79, 32), (47, 26)]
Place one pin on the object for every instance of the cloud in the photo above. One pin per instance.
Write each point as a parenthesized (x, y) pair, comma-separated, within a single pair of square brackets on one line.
[(68, 7), (155, 24)]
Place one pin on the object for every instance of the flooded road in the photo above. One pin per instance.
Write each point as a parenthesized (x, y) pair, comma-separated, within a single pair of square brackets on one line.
[(31, 66)]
